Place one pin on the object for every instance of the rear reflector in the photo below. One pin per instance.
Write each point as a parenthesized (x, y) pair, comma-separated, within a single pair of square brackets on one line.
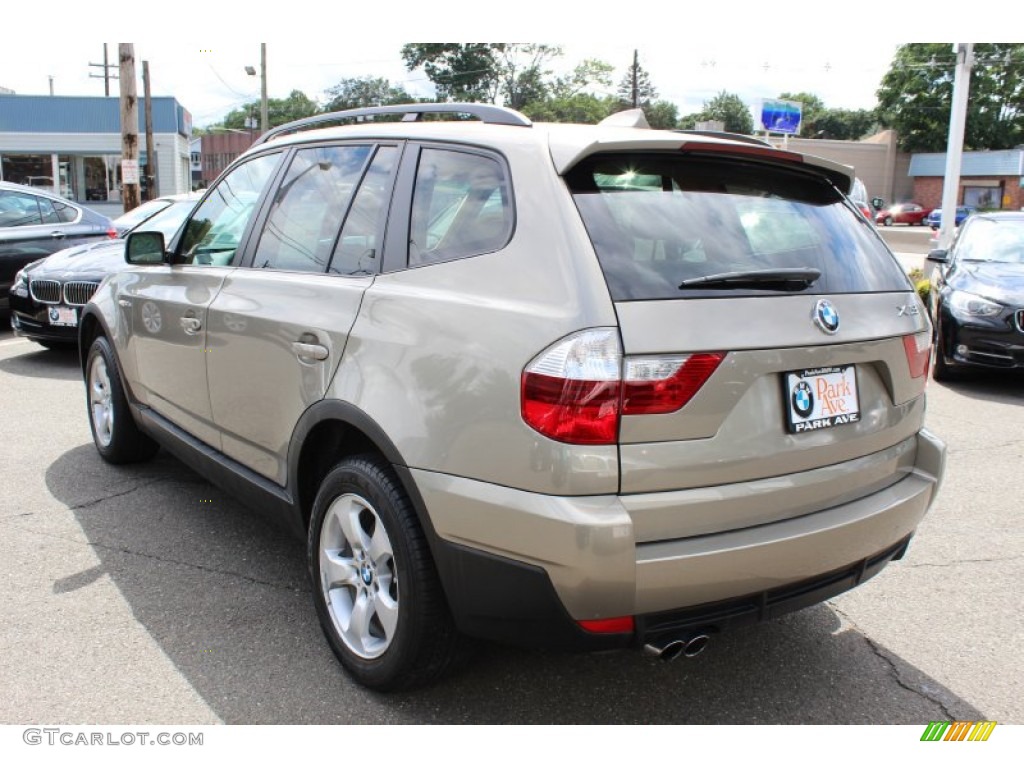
[(608, 626), (919, 353)]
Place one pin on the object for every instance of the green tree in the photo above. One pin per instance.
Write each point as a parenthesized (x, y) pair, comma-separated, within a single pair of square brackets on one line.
[(513, 74), (662, 114), (916, 94), (645, 91), (357, 92), (459, 71), (279, 111), (576, 108), (725, 107)]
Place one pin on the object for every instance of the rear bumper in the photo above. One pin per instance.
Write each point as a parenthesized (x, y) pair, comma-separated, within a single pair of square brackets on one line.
[(525, 567)]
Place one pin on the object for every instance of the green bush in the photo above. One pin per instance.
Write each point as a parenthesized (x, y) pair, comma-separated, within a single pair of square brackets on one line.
[(924, 289)]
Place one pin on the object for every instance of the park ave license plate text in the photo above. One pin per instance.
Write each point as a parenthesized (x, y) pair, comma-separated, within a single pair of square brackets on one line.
[(820, 398)]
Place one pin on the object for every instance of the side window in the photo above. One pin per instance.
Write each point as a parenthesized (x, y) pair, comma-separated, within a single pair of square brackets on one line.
[(46, 211), (358, 249), (461, 206), (65, 213), (308, 208), (19, 210), (213, 233)]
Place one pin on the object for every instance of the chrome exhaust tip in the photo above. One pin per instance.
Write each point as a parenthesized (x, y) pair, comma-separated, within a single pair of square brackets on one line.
[(688, 646)]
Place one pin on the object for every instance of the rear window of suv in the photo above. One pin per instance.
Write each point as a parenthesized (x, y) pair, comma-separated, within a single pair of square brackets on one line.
[(658, 221)]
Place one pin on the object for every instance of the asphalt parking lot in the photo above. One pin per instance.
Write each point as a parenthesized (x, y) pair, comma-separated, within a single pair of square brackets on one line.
[(145, 595)]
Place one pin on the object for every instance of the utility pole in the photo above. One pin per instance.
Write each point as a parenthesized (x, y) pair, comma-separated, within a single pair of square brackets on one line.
[(106, 71), (264, 121), (150, 164), (129, 128), (51, 84), (636, 85), (955, 144)]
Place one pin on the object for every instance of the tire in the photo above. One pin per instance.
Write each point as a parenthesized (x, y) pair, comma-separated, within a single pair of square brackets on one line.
[(375, 587), (114, 432), (941, 370)]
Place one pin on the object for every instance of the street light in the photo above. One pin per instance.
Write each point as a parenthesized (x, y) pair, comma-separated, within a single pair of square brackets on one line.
[(251, 71)]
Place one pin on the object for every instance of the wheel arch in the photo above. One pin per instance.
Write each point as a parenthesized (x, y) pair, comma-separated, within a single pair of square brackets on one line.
[(329, 431)]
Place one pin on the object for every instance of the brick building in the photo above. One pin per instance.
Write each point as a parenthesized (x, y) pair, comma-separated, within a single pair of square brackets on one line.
[(991, 180), (219, 149)]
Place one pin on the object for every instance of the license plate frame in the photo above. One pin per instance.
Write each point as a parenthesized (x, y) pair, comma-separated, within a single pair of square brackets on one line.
[(821, 398), (62, 316)]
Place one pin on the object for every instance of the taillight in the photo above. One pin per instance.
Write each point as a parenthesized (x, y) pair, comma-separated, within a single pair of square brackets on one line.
[(919, 353), (112, 233), (665, 384), (571, 391), (577, 390)]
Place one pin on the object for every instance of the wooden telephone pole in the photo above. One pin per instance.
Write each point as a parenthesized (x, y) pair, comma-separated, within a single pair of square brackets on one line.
[(129, 128), (150, 158)]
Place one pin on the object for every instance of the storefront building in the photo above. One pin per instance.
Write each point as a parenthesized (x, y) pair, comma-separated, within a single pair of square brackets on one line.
[(72, 144), (992, 180)]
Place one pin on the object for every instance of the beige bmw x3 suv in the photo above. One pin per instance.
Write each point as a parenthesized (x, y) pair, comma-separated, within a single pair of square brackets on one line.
[(583, 387)]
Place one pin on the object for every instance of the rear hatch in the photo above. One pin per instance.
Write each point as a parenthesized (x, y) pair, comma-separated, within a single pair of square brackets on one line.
[(749, 290)]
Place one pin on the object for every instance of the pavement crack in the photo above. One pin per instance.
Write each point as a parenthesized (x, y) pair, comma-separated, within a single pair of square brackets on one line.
[(136, 486), (169, 560), (966, 561), (885, 657)]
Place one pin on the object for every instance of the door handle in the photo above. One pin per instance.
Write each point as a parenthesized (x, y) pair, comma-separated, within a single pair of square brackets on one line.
[(58, 235), (192, 325), (310, 351)]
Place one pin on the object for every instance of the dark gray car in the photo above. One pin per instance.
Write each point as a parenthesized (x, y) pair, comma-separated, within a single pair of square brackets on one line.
[(34, 224)]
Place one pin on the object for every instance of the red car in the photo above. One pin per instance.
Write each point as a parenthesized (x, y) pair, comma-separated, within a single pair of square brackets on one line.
[(904, 213)]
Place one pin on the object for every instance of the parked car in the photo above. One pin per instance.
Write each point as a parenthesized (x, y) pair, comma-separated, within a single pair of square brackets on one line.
[(586, 387), (977, 296), (859, 197), (904, 213), (962, 212), (48, 294), (34, 224), (140, 214)]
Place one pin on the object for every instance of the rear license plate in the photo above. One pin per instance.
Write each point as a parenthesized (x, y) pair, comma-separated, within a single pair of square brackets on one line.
[(67, 316), (820, 398)]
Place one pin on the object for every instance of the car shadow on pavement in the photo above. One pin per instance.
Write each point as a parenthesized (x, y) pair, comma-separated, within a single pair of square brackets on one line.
[(61, 363), (225, 595), (995, 386)]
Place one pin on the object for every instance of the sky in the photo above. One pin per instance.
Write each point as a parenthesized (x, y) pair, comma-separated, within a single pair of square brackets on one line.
[(690, 55)]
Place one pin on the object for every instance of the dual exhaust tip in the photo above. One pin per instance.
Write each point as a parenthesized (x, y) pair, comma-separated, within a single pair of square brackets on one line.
[(686, 645)]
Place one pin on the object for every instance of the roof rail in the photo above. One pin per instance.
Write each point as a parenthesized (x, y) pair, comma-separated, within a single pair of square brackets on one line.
[(487, 113), (725, 135)]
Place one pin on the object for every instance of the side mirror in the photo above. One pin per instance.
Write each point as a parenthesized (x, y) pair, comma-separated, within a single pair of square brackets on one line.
[(938, 255), (145, 248)]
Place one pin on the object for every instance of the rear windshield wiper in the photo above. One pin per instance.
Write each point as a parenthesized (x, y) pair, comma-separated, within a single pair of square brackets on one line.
[(790, 279)]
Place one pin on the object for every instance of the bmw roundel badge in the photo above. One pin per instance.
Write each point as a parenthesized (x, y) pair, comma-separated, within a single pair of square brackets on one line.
[(826, 317)]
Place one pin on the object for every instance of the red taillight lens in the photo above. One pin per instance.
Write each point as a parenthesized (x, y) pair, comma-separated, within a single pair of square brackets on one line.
[(581, 412), (571, 391), (919, 353), (665, 384), (112, 233), (577, 389), (608, 626)]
